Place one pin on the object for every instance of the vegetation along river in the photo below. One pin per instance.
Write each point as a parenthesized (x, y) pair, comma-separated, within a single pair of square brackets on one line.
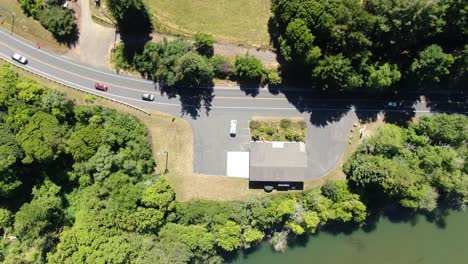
[(392, 241)]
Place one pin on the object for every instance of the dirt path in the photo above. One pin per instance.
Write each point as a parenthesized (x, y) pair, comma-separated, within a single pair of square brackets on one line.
[(95, 41)]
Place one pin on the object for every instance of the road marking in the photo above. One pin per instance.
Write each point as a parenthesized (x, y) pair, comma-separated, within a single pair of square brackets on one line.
[(17, 38)]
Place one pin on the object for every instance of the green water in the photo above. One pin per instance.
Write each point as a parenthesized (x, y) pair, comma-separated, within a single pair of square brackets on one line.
[(416, 241)]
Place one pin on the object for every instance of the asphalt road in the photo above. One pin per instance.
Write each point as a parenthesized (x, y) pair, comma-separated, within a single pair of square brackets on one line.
[(210, 111)]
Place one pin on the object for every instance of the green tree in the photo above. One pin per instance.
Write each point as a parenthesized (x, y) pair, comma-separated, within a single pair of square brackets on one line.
[(118, 8), (10, 153), (204, 44), (248, 68), (6, 219), (57, 104), (193, 70), (432, 66), (252, 236), (29, 91), (44, 213), (298, 43), (228, 236), (41, 138), (8, 79), (336, 73), (31, 7), (159, 195), (383, 77), (59, 21), (84, 142), (223, 67)]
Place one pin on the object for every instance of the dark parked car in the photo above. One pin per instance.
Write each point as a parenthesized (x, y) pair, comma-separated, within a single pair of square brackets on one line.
[(102, 87), (147, 97)]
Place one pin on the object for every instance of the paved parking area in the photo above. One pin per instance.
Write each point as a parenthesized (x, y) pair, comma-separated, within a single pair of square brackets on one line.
[(324, 144), (212, 142)]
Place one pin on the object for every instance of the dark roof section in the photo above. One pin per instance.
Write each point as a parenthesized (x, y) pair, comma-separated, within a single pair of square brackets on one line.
[(278, 161)]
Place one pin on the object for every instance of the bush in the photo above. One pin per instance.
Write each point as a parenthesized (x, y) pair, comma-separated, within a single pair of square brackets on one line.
[(120, 58), (270, 131), (288, 135), (59, 21), (285, 123), (248, 68), (254, 124), (31, 7), (255, 135), (274, 78), (204, 44), (222, 67)]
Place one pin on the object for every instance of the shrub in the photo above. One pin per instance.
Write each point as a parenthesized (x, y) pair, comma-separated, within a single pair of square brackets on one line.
[(120, 58), (255, 135), (59, 21), (248, 68), (204, 44), (274, 78), (31, 7), (285, 123), (288, 135), (223, 68), (254, 124), (270, 131)]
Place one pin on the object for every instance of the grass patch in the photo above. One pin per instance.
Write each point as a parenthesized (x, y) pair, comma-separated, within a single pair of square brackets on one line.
[(278, 129), (27, 27), (238, 21)]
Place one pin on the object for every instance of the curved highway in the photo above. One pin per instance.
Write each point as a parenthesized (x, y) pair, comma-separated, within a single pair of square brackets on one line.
[(209, 112)]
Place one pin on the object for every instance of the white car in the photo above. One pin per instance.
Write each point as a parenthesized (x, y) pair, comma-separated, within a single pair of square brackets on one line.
[(147, 97), (233, 129), (392, 104), (19, 58)]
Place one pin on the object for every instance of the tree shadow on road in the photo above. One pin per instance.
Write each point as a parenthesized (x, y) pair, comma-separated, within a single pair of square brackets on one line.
[(192, 100)]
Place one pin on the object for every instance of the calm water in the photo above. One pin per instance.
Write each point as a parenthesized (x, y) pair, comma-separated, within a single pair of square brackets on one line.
[(415, 241)]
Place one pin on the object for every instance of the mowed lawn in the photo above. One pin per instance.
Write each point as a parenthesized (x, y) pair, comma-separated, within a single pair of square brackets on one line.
[(239, 21), (27, 27)]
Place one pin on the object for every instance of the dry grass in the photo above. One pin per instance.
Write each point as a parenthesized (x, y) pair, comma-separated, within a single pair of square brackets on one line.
[(239, 21), (27, 27)]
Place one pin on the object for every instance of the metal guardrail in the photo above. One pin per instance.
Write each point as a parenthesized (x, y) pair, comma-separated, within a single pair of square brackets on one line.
[(79, 89)]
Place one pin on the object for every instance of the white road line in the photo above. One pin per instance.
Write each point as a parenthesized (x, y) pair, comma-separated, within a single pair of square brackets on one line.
[(24, 42)]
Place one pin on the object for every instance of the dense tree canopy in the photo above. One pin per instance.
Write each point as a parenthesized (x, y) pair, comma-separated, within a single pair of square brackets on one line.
[(417, 166), (381, 43)]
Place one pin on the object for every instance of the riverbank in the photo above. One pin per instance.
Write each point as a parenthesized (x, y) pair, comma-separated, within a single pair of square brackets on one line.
[(393, 241)]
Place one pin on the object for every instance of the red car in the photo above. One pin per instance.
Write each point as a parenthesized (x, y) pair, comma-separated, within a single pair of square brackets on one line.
[(101, 87)]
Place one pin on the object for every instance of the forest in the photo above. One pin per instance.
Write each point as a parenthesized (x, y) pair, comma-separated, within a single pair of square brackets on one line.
[(373, 45)]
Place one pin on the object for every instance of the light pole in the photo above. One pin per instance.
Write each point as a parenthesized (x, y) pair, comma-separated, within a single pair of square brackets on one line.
[(166, 170)]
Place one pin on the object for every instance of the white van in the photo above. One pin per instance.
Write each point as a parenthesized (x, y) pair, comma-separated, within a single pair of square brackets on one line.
[(233, 129)]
